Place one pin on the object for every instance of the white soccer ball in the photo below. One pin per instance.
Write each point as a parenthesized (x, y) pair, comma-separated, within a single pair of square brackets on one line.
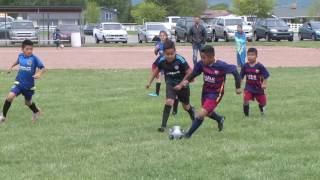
[(176, 133), (61, 46)]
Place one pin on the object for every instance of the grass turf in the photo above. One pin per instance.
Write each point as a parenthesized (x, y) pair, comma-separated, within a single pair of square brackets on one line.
[(102, 125)]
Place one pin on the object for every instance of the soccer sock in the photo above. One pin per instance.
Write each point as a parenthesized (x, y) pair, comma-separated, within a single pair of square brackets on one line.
[(261, 107), (246, 110), (34, 108), (158, 85), (216, 116), (195, 125), (175, 105), (6, 108), (165, 116), (191, 113)]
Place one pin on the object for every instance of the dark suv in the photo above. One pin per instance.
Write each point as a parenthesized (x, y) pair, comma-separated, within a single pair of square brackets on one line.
[(183, 26), (272, 29)]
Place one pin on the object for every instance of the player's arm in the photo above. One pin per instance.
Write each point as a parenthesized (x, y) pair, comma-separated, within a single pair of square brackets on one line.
[(40, 69), (232, 69), (153, 75), (39, 73), (265, 75), (13, 65), (184, 83), (156, 49)]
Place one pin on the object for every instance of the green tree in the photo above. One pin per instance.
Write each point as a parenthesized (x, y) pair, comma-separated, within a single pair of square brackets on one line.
[(315, 8), (183, 7), (260, 8), (148, 11), (92, 13)]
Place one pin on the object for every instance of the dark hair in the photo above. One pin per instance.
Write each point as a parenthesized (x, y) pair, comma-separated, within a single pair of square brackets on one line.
[(27, 42), (253, 50), (164, 32), (169, 45), (208, 50)]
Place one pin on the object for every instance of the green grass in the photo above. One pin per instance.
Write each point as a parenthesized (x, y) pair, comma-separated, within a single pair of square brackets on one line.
[(102, 125)]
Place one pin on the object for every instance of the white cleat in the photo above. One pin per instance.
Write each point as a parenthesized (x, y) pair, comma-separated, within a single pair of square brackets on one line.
[(2, 119)]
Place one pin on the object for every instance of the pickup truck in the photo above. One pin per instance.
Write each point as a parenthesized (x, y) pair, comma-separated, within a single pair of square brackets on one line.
[(21, 30), (110, 32)]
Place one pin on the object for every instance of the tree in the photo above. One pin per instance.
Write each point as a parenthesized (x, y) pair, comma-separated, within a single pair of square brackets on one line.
[(221, 6), (259, 8), (148, 11), (183, 7), (315, 8), (92, 13)]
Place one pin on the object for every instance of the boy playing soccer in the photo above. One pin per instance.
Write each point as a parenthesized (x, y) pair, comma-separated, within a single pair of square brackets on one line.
[(30, 69), (214, 77), (158, 51), (256, 82), (175, 69)]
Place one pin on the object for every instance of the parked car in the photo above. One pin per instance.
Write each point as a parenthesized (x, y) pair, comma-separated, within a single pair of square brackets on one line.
[(4, 30), (226, 27), (8, 19), (183, 26), (110, 32), (149, 32), (171, 22), (88, 29), (21, 30), (67, 29), (310, 30), (272, 29), (249, 20)]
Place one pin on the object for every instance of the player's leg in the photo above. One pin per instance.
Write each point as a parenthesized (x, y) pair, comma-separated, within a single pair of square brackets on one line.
[(210, 104), (170, 96), (15, 91), (158, 84), (262, 100), (32, 105), (247, 96), (175, 106), (184, 97), (197, 122), (158, 80), (195, 53)]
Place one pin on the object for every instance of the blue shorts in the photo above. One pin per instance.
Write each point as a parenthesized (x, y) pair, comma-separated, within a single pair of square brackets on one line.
[(27, 93)]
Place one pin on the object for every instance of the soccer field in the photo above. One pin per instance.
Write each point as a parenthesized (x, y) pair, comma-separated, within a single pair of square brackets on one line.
[(100, 124)]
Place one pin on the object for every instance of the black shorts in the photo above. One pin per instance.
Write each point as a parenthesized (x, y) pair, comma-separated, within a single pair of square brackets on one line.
[(183, 95)]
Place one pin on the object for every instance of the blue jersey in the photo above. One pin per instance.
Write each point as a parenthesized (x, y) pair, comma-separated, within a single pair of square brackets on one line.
[(160, 48), (27, 68)]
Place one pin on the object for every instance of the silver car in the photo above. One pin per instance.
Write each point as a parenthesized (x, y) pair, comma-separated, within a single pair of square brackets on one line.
[(22, 30), (149, 32)]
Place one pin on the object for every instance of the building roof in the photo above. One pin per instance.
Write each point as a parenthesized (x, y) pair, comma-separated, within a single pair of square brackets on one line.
[(210, 14), (288, 12), (14, 9)]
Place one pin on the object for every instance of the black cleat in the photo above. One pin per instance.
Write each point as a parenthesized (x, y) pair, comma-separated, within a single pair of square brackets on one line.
[(220, 124), (162, 129)]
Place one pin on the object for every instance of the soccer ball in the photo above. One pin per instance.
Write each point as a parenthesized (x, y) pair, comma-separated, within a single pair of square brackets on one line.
[(61, 46), (176, 133)]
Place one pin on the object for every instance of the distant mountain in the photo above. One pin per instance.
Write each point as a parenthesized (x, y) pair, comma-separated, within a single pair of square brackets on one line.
[(280, 3)]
